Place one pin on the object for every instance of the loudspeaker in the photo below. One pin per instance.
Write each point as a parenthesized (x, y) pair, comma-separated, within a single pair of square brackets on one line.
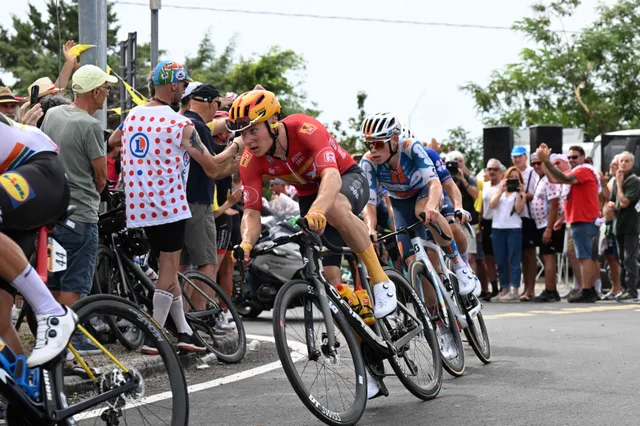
[(497, 143), (614, 143), (551, 135)]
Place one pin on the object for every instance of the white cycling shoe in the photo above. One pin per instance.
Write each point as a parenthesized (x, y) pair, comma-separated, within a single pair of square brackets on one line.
[(386, 301), (467, 282), (447, 344), (52, 337)]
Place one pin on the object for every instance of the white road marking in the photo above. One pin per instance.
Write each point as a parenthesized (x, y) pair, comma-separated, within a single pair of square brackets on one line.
[(297, 354)]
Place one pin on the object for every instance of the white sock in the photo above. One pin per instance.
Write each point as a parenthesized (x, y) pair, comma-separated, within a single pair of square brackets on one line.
[(465, 257), (29, 284), (576, 284), (161, 306), (598, 285), (177, 313)]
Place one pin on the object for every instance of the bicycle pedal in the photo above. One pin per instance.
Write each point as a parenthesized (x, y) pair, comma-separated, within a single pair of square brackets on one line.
[(383, 389)]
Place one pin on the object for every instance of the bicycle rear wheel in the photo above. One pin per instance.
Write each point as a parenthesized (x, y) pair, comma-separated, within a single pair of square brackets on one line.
[(206, 301), (302, 348), (455, 363), (418, 364), (476, 332), (153, 397)]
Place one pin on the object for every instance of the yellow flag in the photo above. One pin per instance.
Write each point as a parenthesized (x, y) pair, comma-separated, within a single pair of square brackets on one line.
[(79, 48), (117, 111), (137, 98)]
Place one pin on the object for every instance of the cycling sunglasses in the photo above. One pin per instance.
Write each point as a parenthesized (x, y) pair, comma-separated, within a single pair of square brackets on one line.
[(378, 145), (242, 123)]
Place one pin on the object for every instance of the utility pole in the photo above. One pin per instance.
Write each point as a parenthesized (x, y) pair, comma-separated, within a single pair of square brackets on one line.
[(155, 6), (92, 23)]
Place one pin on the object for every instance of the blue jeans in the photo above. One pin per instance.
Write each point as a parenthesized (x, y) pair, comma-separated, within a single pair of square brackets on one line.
[(507, 249), (81, 260)]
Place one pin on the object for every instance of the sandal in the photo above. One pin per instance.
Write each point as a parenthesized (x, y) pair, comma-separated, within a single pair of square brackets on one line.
[(526, 298)]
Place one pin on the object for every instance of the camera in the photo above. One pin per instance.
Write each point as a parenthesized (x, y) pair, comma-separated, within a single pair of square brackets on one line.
[(452, 166), (512, 185)]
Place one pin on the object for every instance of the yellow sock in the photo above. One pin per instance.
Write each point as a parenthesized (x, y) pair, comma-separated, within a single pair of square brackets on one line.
[(370, 260)]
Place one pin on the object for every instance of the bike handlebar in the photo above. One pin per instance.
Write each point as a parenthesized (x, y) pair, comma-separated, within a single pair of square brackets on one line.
[(406, 229)]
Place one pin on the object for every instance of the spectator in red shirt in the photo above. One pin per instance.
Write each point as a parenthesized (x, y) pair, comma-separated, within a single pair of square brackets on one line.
[(582, 212)]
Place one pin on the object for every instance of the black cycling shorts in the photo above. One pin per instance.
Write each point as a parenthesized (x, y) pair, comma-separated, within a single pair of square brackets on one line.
[(356, 188), (223, 232), (167, 238), (34, 194)]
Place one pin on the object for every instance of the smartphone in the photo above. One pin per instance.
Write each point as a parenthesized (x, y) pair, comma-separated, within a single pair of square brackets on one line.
[(512, 185), (35, 92), (452, 166)]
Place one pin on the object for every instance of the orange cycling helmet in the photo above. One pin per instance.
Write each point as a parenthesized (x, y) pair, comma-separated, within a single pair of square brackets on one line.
[(252, 107), (256, 106)]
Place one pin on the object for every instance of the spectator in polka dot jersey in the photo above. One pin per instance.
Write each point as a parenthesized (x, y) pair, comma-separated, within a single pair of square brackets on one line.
[(157, 147)]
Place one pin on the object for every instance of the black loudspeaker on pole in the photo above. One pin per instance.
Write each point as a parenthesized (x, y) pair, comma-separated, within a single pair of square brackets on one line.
[(498, 143)]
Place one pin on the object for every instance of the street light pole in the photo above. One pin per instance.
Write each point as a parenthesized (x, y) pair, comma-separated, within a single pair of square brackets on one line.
[(92, 29), (155, 6)]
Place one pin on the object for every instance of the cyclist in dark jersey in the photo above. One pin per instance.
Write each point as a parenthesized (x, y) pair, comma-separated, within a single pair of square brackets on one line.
[(33, 192)]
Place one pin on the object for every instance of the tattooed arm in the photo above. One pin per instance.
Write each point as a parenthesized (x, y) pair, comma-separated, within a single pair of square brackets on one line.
[(214, 166), (555, 175)]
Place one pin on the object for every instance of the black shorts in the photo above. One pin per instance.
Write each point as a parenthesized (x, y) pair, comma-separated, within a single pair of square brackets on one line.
[(485, 229), (356, 188), (32, 195), (223, 231), (557, 241), (236, 236), (166, 238), (529, 233)]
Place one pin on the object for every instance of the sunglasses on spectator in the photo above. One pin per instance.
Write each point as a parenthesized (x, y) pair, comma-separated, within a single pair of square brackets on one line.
[(493, 169), (536, 163), (573, 157), (378, 145)]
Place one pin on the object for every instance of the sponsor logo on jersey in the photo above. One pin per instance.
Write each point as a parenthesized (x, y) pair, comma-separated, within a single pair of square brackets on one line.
[(329, 157), (17, 188), (246, 157), (308, 128), (297, 158), (139, 145)]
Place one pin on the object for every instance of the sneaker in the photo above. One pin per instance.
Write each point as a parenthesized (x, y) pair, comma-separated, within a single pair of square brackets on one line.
[(547, 296), (52, 337), (467, 282), (509, 298), (385, 296), (498, 297), (84, 346), (223, 323), (627, 297), (485, 295), (573, 293), (189, 343), (587, 295), (447, 344), (611, 296), (149, 347)]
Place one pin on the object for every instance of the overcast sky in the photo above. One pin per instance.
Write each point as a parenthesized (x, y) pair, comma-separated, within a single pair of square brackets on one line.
[(394, 63)]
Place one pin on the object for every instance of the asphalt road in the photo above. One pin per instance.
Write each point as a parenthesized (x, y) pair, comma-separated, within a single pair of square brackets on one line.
[(555, 364)]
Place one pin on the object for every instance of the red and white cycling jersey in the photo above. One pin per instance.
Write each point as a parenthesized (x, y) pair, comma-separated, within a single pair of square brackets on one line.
[(311, 150)]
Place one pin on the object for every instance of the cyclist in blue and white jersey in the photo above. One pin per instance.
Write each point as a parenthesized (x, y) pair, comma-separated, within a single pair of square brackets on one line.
[(404, 168), (451, 206)]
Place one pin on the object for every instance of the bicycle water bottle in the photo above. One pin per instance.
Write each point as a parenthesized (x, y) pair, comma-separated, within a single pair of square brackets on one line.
[(150, 272), (366, 311), (352, 299)]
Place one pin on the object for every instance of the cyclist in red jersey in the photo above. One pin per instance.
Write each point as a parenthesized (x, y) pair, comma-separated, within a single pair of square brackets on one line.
[(331, 186)]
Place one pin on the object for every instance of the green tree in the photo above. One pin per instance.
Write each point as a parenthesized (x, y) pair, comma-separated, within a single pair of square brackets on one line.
[(588, 79), (280, 71), (349, 137), (34, 50), (461, 140)]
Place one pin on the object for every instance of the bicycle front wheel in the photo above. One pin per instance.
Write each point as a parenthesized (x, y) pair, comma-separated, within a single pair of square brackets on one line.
[(334, 389), (222, 333), (418, 363), (154, 400)]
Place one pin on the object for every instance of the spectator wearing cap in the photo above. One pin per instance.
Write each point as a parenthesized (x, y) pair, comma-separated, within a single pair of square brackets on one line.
[(529, 230), (82, 152), (47, 87), (158, 146), (9, 103), (582, 213), (547, 207), (200, 238), (625, 201)]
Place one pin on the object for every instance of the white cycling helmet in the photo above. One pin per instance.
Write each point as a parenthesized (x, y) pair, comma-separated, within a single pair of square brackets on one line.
[(406, 133), (381, 125)]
